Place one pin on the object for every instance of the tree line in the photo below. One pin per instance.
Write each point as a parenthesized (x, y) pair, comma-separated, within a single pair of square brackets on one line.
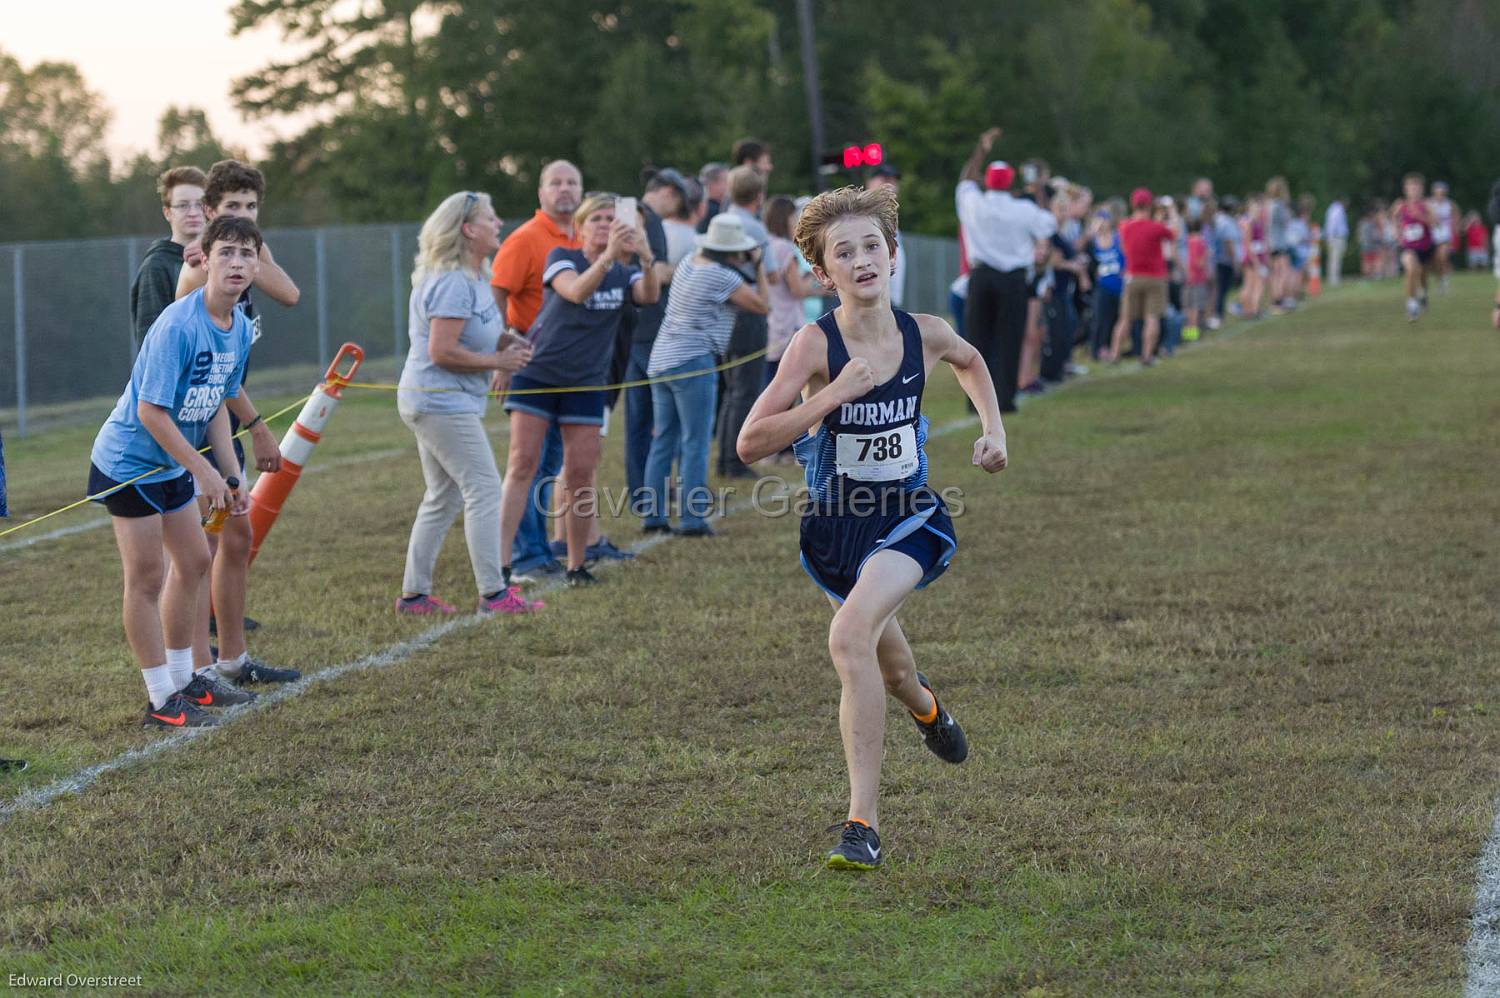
[(414, 99)]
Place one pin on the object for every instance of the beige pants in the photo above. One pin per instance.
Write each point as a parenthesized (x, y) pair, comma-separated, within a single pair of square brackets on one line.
[(459, 467), (1335, 261)]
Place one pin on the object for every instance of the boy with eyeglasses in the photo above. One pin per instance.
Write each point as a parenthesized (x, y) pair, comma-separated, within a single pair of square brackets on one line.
[(155, 284)]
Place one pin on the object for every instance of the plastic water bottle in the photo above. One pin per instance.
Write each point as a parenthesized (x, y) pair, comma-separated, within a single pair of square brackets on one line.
[(213, 523)]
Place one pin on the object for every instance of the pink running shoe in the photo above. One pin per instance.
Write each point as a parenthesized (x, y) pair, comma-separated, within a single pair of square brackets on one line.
[(510, 601), (423, 606)]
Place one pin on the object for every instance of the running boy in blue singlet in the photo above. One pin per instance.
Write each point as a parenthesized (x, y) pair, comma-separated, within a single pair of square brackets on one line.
[(874, 530)]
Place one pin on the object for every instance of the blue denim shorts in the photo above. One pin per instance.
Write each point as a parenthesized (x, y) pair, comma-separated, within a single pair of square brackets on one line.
[(565, 408)]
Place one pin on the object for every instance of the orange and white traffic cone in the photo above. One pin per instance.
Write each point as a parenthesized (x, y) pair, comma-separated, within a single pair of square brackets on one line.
[(271, 490)]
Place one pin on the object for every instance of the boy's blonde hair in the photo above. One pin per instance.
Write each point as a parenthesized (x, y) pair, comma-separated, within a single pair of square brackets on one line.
[(846, 202)]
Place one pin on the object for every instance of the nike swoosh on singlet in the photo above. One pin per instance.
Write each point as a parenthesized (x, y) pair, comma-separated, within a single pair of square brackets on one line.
[(907, 381)]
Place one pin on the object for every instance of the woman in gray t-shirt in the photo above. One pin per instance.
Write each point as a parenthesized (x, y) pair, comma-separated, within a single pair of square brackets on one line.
[(458, 341)]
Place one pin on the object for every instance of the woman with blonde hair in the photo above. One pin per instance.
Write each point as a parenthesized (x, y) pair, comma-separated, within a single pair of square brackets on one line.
[(458, 342)]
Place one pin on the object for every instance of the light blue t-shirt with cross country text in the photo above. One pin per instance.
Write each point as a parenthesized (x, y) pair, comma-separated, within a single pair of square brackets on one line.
[(188, 366)]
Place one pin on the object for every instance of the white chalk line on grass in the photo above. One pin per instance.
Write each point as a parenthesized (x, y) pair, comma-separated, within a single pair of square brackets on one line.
[(1482, 953), (39, 797), (36, 798)]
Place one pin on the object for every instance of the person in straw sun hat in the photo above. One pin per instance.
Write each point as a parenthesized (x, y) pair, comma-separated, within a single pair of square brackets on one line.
[(725, 273)]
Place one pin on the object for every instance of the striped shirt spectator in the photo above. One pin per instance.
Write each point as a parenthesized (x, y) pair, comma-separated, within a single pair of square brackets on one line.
[(699, 316)]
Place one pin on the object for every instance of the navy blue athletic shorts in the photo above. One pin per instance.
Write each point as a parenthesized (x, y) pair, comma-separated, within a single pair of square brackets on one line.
[(140, 499), (836, 545)]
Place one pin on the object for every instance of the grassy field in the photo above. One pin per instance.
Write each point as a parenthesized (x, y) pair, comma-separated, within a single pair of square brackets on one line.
[(1222, 639)]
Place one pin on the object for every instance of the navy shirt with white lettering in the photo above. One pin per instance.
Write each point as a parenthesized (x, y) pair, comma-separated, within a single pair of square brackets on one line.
[(188, 366), (573, 344)]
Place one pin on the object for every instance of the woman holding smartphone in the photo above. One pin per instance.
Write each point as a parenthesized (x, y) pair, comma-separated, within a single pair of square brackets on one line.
[(573, 340)]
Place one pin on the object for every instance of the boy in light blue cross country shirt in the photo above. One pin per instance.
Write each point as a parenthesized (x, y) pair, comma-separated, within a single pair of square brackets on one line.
[(146, 462)]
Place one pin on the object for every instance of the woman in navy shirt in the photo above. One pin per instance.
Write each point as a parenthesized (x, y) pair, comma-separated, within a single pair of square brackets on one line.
[(572, 341)]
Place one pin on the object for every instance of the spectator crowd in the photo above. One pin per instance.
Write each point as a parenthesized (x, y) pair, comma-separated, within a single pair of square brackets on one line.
[(664, 314)]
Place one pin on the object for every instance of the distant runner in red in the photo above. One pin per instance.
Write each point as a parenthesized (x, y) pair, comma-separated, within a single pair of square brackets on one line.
[(1414, 225)]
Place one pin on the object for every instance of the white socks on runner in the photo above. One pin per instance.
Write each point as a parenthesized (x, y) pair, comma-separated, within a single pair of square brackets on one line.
[(230, 668), (159, 684), (180, 661)]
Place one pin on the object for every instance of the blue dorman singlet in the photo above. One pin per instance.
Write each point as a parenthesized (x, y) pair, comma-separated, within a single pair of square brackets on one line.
[(877, 443)]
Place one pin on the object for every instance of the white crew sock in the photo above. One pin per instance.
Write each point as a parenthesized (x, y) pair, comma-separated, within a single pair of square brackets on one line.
[(180, 661), (230, 668), (159, 684)]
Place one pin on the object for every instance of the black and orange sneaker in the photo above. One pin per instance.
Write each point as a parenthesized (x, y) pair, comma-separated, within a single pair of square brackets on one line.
[(858, 848), (208, 690), (178, 712), (943, 736)]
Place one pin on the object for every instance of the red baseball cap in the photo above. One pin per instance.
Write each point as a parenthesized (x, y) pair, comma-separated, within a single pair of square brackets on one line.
[(1140, 197), (999, 176)]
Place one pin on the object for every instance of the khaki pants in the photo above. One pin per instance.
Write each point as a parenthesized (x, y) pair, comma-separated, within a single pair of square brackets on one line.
[(459, 467), (1335, 260), (1144, 297)]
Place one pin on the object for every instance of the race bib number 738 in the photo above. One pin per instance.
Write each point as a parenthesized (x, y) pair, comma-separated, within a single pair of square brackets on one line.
[(888, 456)]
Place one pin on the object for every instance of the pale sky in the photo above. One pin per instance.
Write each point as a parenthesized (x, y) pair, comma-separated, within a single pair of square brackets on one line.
[(143, 56)]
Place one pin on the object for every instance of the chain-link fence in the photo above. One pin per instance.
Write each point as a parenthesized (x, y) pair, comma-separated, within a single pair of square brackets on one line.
[(66, 342)]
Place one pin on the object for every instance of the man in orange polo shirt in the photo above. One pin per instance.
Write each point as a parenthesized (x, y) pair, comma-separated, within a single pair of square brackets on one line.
[(517, 286), (517, 279)]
